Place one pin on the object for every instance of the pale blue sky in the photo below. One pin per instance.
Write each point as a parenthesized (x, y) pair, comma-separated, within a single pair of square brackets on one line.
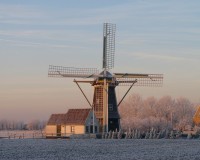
[(152, 36)]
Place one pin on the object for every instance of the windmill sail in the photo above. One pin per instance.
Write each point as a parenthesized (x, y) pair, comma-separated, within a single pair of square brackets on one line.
[(150, 80), (59, 71), (108, 45)]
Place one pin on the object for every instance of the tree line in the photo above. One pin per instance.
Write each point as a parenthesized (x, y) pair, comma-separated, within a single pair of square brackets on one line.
[(158, 113), (20, 125), (136, 113)]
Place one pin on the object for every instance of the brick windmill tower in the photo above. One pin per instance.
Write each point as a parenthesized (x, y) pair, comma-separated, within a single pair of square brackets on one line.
[(105, 104)]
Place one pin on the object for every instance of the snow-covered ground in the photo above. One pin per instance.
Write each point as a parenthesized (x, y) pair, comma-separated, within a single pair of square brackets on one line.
[(75, 149)]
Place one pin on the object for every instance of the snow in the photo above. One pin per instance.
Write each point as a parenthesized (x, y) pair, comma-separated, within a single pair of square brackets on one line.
[(74, 149)]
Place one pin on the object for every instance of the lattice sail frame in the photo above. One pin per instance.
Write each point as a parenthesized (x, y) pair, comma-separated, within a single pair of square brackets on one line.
[(153, 80), (108, 45), (59, 71)]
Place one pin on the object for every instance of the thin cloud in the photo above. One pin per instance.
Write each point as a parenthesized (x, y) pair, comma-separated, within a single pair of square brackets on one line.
[(20, 33), (35, 44), (19, 11), (26, 14), (161, 57)]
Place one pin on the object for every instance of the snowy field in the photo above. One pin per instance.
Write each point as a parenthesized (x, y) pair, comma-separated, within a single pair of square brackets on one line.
[(74, 149)]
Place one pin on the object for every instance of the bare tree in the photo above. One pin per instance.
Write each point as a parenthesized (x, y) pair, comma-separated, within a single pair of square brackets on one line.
[(20, 125), (36, 125)]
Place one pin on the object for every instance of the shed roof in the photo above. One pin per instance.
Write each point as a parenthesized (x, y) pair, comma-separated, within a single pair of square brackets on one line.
[(77, 116), (56, 119), (73, 116)]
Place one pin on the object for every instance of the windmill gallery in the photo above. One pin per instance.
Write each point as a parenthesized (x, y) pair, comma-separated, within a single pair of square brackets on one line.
[(102, 116)]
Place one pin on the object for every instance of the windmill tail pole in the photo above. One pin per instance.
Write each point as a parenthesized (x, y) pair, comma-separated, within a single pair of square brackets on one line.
[(83, 93), (126, 93)]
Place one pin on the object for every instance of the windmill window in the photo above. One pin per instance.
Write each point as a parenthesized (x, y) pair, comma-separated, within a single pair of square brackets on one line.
[(110, 107)]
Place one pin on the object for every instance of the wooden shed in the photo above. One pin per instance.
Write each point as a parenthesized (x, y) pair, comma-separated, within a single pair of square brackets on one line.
[(75, 121)]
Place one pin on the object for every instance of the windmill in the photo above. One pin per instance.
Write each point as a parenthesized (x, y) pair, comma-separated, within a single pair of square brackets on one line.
[(105, 103)]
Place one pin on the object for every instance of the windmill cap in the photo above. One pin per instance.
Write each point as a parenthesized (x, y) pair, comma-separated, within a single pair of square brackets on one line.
[(108, 74)]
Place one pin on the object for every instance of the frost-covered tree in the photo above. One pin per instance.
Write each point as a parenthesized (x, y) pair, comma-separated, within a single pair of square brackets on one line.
[(129, 110), (164, 113), (36, 125), (184, 111), (11, 125), (20, 125)]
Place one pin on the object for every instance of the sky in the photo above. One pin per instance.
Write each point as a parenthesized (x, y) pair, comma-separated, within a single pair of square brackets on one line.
[(152, 36)]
